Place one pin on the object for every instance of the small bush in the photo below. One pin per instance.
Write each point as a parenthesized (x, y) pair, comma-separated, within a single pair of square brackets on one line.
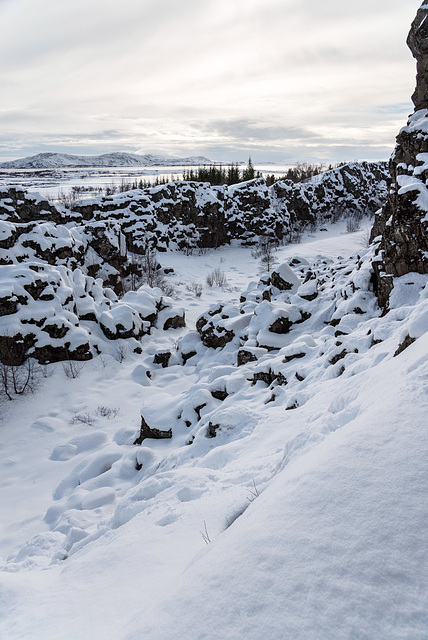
[(217, 278), (145, 269), (167, 288), (196, 288), (82, 418), (122, 351), (265, 252), (107, 412), (20, 380), (353, 223), (73, 368)]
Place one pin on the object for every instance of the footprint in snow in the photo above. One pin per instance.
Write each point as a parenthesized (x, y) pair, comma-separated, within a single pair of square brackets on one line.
[(187, 494)]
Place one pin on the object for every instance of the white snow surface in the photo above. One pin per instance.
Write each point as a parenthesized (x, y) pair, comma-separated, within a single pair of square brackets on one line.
[(311, 497)]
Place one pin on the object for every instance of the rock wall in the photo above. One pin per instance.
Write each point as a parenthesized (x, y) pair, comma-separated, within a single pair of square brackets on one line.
[(186, 215), (401, 226)]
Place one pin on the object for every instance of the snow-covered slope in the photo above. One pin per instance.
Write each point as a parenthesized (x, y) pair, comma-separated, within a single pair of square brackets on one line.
[(303, 464), (118, 159)]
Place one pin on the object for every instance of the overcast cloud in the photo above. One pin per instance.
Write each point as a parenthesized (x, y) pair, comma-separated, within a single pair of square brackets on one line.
[(282, 80)]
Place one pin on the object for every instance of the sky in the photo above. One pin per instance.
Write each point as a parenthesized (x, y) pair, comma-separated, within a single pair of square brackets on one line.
[(281, 80)]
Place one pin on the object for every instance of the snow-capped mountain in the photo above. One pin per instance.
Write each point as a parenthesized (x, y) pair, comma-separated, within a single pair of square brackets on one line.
[(64, 160)]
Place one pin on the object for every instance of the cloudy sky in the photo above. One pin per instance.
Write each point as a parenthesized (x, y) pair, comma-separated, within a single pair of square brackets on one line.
[(282, 80)]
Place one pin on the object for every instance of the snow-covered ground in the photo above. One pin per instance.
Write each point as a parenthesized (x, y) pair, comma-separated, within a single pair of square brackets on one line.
[(56, 183), (303, 524)]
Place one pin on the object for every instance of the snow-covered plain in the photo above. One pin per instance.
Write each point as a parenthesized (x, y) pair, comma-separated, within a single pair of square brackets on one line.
[(305, 518), (56, 183)]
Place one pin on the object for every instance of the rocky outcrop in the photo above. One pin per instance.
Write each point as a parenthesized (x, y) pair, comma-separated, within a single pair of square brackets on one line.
[(97, 248), (401, 227), (187, 215), (52, 314), (17, 205)]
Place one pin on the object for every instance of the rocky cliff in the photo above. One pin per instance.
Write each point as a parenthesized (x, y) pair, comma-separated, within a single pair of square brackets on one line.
[(401, 226)]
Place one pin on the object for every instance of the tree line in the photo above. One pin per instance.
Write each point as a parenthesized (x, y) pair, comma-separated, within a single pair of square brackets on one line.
[(217, 174)]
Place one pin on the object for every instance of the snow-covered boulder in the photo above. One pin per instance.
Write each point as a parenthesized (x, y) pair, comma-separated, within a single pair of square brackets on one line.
[(284, 278), (52, 313)]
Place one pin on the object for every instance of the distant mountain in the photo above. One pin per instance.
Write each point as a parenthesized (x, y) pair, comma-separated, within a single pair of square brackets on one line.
[(64, 160)]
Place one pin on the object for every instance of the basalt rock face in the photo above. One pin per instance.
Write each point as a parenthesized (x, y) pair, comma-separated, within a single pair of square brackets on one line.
[(417, 42), (402, 224)]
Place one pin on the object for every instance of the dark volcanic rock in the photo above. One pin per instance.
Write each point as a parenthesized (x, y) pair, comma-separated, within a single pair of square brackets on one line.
[(418, 44), (148, 432), (49, 353), (175, 322), (162, 358), (402, 224), (244, 357)]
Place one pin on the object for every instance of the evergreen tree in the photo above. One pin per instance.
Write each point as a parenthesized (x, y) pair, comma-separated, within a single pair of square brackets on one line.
[(248, 173)]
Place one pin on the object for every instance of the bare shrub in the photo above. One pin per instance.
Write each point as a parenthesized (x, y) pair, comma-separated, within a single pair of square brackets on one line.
[(20, 380), (104, 361), (365, 239), (167, 288), (67, 198), (82, 418), (111, 189), (265, 252), (353, 223), (217, 278), (145, 269), (122, 351), (296, 235), (151, 268), (107, 412), (336, 214), (73, 368), (196, 288), (124, 186)]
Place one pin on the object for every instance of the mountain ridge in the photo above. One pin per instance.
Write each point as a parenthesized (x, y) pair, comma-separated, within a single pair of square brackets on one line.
[(49, 160)]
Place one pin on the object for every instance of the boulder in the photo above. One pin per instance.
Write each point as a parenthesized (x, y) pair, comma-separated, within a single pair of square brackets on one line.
[(284, 278)]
